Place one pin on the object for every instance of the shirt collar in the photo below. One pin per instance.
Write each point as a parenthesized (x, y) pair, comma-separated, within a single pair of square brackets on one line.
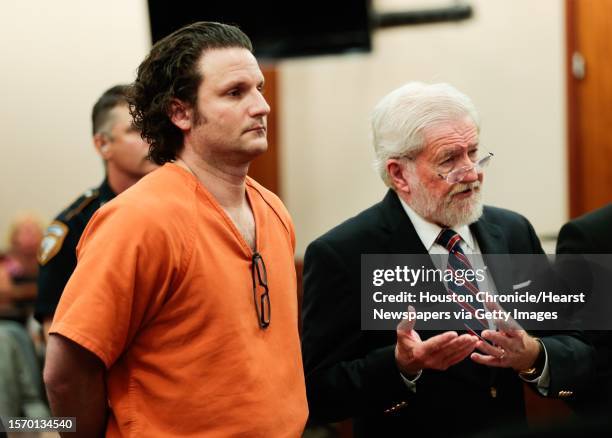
[(428, 232)]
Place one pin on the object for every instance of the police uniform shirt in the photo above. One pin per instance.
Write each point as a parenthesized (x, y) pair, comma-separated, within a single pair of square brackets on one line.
[(57, 252)]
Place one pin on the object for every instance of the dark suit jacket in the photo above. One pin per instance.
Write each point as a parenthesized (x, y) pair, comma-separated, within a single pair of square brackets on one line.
[(588, 234), (592, 234), (352, 373)]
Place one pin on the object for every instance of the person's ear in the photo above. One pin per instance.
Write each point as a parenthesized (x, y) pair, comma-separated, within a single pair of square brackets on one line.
[(102, 146), (397, 175), (180, 114)]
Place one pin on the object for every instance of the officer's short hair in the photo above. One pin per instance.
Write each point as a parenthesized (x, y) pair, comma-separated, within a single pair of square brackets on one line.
[(101, 116)]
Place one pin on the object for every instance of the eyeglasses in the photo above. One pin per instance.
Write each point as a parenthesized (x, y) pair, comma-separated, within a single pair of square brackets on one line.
[(457, 175), (260, 290)]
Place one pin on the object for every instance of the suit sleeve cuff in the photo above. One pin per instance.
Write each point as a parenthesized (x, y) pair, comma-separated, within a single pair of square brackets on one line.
[(542, 382)]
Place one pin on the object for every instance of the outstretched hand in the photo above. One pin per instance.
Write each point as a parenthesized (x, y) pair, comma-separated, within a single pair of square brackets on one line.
[(512, 349), (438, 352)]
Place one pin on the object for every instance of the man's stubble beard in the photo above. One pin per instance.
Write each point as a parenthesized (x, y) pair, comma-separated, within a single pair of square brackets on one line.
[(233, 156)]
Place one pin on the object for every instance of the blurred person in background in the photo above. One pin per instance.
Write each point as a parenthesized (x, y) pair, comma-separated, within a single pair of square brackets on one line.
[(20, 376), (19, 269), (591, 235), (125, 157)]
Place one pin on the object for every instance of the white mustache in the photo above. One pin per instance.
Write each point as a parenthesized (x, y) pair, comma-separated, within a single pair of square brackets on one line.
[(460, 187)]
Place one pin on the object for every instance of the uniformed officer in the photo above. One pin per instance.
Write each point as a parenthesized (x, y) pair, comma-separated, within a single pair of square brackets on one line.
[(125, 156)]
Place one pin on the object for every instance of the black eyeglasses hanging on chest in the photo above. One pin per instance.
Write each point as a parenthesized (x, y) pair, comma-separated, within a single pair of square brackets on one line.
[(260, 290)]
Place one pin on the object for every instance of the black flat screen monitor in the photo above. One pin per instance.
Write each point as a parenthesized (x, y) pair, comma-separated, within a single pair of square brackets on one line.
[(277, 29)]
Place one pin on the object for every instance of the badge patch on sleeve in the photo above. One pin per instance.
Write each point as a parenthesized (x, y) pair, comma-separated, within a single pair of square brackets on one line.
[(52, 242)]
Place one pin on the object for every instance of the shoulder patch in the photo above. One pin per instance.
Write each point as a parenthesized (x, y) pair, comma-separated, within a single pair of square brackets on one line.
[(52, 242), (83, 202)]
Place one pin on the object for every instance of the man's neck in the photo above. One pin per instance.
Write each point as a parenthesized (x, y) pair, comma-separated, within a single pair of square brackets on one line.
[(225, 183), (119, 181)]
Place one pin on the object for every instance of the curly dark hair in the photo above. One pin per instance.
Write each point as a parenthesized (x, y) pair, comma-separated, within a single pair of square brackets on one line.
[(170, 72)]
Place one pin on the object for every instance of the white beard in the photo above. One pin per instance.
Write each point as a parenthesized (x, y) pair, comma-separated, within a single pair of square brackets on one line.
[(447, 211)]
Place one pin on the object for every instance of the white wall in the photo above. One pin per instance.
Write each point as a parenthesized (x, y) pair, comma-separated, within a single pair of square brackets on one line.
[(509, 59), (57, 58)]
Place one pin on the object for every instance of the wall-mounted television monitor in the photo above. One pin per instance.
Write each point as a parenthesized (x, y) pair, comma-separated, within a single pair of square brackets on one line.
[(277, 29)]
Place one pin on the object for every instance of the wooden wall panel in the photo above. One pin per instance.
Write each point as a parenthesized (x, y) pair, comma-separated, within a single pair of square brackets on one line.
[(589, 33)]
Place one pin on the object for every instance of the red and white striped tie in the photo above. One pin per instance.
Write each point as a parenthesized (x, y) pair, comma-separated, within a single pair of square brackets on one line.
[(457, 261)]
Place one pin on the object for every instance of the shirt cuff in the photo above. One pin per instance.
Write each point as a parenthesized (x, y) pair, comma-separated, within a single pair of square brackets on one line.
[(543, 380)]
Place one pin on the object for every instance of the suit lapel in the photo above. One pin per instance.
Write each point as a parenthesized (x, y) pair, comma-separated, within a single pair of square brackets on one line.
[(401, 237), (492, 241)]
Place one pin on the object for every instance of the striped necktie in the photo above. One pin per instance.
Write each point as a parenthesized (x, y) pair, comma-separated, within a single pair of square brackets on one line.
[(457, 261)]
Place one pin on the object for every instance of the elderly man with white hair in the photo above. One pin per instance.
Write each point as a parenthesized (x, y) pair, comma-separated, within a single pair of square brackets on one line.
[(426, 139)]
